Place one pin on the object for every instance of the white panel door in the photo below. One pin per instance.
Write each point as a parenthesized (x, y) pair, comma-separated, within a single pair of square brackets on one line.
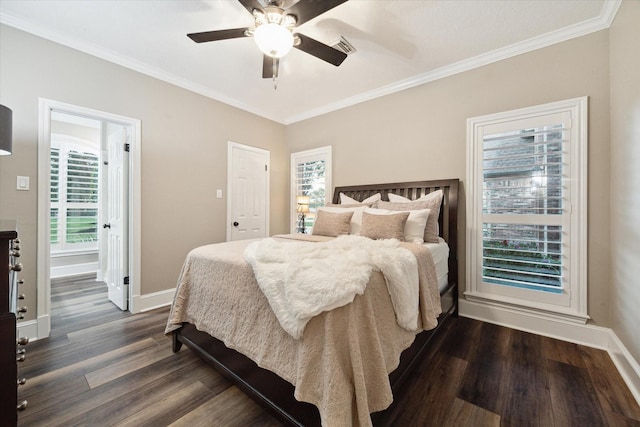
[(248, 192), (117, 214)]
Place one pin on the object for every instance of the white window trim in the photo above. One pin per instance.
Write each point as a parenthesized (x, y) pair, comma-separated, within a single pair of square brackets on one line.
[(575, 299), (321, 152)]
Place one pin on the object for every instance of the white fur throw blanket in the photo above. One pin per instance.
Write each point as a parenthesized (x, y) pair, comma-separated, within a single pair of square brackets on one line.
[(301, 280)]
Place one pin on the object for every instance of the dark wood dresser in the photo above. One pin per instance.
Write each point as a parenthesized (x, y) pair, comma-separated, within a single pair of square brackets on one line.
[(11, 348)]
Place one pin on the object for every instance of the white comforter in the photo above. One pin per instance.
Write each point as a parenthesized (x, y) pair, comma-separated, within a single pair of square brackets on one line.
[(301, 281)]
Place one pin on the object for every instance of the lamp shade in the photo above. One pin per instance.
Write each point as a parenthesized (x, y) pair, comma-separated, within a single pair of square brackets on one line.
[(6, 130), (303, 203)]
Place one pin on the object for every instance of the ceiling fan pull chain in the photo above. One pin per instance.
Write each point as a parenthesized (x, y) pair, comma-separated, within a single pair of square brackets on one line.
[(275, 71)]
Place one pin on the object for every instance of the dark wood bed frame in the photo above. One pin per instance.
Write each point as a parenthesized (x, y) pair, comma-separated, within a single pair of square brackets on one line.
[(276, 394)]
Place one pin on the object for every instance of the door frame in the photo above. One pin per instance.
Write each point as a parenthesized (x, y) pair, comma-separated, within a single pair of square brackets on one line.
[(230, 146), (43, 276)]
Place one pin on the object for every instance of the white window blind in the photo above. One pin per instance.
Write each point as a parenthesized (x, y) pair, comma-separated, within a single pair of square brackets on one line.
[(527, 213), (74, 195), (311, 176)]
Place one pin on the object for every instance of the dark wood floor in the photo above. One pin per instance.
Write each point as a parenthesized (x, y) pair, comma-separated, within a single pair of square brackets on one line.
[(103, 367)]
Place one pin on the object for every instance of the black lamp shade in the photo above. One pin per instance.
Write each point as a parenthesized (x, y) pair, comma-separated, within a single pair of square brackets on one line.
[(6, 130)]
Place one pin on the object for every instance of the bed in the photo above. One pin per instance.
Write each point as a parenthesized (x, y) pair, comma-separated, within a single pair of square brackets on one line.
[(272, 390)]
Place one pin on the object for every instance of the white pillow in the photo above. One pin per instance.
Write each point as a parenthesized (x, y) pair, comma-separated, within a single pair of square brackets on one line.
[(434, 195), (346, 200), (356, 219), (414, 228)]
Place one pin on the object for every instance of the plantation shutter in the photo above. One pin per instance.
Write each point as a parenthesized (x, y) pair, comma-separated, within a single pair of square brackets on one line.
[(55, 196), (74, 196), (525, 203), (82, 197)]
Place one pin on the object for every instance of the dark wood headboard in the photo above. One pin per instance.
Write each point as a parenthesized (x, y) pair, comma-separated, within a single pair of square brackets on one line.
[(448, 219)]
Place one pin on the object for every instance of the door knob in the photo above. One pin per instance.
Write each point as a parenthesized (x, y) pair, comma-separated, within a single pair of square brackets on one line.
[(106, 226), (236, 223)]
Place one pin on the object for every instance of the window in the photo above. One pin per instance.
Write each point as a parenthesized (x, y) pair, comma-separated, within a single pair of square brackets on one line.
[(74, 194), (527, 214), (310, 176)]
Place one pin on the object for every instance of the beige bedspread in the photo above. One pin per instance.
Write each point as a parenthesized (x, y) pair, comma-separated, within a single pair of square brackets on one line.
[(341, 363)]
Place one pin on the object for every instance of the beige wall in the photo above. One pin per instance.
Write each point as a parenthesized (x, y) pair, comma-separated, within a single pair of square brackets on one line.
[(420, 133), (184, 150), (625, 175)]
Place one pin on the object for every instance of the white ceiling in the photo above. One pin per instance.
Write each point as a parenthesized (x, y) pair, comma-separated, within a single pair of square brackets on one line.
[(400, 43)]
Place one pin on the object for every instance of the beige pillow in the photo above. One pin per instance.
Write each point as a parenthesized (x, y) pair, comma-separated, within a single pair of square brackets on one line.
[(416, 222), (431, 201), (356, 219), (389, 226), (332, 224)]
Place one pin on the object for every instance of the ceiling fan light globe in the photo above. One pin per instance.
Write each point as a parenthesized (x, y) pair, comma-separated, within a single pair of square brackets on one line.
[(273, 40)]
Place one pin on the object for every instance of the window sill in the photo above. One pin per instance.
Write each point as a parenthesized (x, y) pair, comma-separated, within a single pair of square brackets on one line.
[(544, 311), (61, 254)]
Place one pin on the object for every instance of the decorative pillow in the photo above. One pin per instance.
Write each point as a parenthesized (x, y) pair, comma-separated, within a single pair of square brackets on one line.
[(389, 226), (344, 199), (416, 222), (356, 219), (332, 224), (349, 205), (431, 201)]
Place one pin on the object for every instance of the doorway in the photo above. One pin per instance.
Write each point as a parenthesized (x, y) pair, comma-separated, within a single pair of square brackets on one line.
[(88, 202)]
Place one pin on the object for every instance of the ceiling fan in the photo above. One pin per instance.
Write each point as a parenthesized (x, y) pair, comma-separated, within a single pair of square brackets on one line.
[(274, 32)]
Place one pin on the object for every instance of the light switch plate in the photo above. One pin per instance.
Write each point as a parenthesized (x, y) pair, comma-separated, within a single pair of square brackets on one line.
[(22, 183), (219, 194)]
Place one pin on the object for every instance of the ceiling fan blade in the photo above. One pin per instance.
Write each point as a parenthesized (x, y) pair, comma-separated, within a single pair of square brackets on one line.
[(306, 10), (251, 4), (268, 67), (210, 36), (320, 50)]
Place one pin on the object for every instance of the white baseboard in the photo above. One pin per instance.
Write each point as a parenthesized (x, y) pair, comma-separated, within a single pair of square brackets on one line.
[(626, 364), (74, 270), (28, 329), (152, 301), (588, 335)]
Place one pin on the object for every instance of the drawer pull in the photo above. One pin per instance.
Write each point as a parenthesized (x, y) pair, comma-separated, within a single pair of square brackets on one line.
[(17, 267), (21, 358), (15, 253), (21, 296), (22, 309), (22, 341), (22, 405), (22, 381)]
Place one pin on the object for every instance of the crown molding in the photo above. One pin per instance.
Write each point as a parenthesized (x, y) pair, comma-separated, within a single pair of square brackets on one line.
[(130, 63), (601, 22)]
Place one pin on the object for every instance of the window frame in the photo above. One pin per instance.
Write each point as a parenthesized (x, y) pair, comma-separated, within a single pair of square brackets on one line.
[(571, 303), (320, 153)]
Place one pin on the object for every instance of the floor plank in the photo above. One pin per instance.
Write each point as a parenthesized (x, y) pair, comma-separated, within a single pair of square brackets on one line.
[(527, 401), (573, 397)]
